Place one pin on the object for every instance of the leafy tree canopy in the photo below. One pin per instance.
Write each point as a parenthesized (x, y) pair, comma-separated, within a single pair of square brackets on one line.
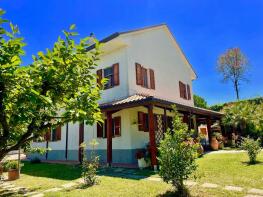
[(200, 101), (58, 87)]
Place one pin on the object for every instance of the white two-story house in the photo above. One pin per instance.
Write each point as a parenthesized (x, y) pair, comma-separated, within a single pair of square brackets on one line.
[(147, 73)]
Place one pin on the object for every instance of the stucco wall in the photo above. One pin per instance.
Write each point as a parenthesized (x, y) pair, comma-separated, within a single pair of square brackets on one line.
[(156, 50), (118, 55)]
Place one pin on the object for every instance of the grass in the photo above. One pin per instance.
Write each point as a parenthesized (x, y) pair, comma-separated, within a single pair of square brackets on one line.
[(222, 169)]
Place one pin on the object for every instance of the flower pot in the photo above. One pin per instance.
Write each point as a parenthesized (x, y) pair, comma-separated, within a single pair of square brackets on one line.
[(214, 143), (13, 174), (142, 163)]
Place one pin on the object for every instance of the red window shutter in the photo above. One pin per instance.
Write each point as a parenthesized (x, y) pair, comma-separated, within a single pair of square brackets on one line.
[(138, 69), (141, 121), (181, 89), (99, 130), (116, 76), (117, 126), (47, 135), (188, 92), (99, 75), (152, 80), (58, 133), (184, 91)]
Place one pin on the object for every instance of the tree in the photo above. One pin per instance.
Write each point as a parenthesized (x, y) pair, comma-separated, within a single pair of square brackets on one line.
[(199, 101), (252, 147), (245, 115), (177, 154), (58, 87), (233, 65)]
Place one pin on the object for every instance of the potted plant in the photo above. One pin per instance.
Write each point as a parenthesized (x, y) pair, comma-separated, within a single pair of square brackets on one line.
[(140, 158), (214, 142), (220, 140), (13, 171)]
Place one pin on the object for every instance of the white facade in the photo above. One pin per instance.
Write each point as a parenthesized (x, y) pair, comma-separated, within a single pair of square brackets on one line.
[(154, 48)]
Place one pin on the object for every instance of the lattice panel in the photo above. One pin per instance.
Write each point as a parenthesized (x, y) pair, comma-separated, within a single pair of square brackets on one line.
[(159, 129)]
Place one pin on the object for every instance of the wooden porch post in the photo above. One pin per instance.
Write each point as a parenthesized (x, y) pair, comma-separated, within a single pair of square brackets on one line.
[(208, 123), (109, 138), (152, 137), (81, 140)]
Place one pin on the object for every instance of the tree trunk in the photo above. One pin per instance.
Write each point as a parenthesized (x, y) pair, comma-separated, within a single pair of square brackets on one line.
[(236, 89)]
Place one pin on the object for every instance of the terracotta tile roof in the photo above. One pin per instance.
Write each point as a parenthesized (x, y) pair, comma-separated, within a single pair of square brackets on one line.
[(140, 99)]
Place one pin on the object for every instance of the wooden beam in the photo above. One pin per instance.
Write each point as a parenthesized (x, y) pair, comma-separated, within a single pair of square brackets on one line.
[(153, 147), (109, 138)]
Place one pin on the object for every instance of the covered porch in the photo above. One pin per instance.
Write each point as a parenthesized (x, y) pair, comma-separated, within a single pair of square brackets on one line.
[(158, 119)]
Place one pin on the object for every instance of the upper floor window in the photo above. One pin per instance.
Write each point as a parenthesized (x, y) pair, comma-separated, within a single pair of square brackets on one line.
[(144, 76), (108, 74), (185, 91), (111, 74)]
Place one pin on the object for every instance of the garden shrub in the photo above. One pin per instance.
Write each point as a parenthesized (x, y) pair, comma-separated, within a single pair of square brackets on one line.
[(177, 154), (252, 147), (90, 166)]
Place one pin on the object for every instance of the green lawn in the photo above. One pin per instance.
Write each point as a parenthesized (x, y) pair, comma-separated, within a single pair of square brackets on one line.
[(222, 169)]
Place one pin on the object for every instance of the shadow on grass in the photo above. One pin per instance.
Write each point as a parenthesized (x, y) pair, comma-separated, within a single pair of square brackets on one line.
[(247, 163), (175, 193), (54, 171), (134, 174)]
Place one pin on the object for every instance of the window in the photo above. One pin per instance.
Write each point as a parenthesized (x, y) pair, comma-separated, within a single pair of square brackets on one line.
[(142, 78), (182, 89), (116, 128), (111, 74), (143, 124), (53, 135), (108, 74)]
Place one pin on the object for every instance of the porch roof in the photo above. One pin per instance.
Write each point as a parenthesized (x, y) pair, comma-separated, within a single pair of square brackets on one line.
[(142, 100)]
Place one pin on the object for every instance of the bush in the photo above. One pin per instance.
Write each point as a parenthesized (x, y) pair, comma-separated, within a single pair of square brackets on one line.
[(252, 147), (89, 167), (177, 154), (12, 165)]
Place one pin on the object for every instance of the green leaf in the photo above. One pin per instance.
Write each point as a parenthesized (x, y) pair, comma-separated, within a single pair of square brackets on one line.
[(73, 26)]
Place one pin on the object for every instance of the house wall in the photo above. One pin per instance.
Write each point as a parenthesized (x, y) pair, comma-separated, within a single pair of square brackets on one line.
[(155, 49), (124, 147), (118, 55)]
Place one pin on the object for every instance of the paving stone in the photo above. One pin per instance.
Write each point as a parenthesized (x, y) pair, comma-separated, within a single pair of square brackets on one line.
[(154, 179), (68, 185), (256, 191), (190, 183), (55, 189), (209, 185), (233, 188), (30, 193), (8, 186), (38, 195)]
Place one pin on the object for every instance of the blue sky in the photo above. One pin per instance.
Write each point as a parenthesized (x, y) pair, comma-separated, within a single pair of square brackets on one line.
[(204, 29)]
